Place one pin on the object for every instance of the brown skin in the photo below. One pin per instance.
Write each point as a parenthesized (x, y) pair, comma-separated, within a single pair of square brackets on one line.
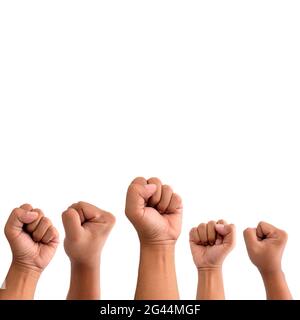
[(87, 228), (210, 244), (33, 241), (265, 245), (156, 213)]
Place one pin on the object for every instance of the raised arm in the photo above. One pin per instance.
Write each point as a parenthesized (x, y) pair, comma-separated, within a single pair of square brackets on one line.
[(265, 245), (33, 241), (156, 213), (210, 244), (87, 228)]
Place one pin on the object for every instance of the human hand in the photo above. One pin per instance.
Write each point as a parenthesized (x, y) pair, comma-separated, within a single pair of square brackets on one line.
[(210, 243), (154, 210), (32, 238), (87, 228), (265, 245)]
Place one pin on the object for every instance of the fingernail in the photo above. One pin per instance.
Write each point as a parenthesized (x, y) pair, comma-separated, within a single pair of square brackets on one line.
[(220, 226), (31, 214), (150, 187)]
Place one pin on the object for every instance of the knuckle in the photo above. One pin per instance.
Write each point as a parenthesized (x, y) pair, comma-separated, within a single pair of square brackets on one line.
[(46, 221), (201, 226), (246, 231), (166, 187), (17, 211), (284, 234), (111, 218), (154, 180), (134, 187), (81, 204), (177, 197), (6, 230)]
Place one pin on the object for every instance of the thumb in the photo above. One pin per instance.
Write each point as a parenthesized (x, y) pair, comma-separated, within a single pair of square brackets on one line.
[(72, 223), (17, 219), (137, 197), (250, 237), (227, 231)]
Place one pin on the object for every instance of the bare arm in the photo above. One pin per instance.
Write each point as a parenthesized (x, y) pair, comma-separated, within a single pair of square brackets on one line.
[(265, 245), (276, 286), (33, 241), (210, 284), (157, 275), (156, 212), (84, 282), (20, 283), (210, 244), (87, 228)]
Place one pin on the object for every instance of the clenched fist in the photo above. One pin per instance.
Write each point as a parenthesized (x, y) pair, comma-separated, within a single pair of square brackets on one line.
[(154, 210), (87, 228), (210, 243), (265, 245), (32, 238)]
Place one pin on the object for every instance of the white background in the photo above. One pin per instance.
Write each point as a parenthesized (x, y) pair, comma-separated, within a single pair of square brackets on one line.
[(203, 94)]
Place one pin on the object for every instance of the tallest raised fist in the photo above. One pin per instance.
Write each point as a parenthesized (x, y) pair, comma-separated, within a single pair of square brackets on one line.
[(154, 210)]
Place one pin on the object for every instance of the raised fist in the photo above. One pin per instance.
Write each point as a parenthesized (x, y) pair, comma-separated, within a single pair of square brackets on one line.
[(87, 228), (210, 243), (154, 210), (32, 238), (265, 245)]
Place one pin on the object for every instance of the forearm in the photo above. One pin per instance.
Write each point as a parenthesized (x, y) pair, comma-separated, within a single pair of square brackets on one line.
[(20, 283), (157, 274), (85, 281), (210, 284), (276, 286)]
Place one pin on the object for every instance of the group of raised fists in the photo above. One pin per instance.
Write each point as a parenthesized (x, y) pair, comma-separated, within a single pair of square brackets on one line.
[(156, 213)]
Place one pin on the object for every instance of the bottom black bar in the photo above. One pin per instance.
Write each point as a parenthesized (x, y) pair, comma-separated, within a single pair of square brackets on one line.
[(120, 309)]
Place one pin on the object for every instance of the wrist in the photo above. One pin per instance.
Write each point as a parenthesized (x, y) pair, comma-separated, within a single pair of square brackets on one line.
[(158, 246), (20, 282), (85, 264), (271, 273), (24, 269), (210, 269)]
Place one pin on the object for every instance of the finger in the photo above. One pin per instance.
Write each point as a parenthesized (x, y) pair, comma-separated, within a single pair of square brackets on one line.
[(155, 198), (32, 226), (166, 195), (50, 235), (175, 204), (17, 219), (137, 196), (194, 236), (26, 207), (91, 212), (139, 180), (227, 231), (219, 239), (202, 232), (41, 229), (211, 232), (106, 217), (250, 236), (265, 230), (79, 210), (72, 224)]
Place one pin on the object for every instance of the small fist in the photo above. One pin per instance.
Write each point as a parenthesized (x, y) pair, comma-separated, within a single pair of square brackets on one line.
[(32, 237), (87, 228), (265, 245), (210, 243), (154, 210)]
